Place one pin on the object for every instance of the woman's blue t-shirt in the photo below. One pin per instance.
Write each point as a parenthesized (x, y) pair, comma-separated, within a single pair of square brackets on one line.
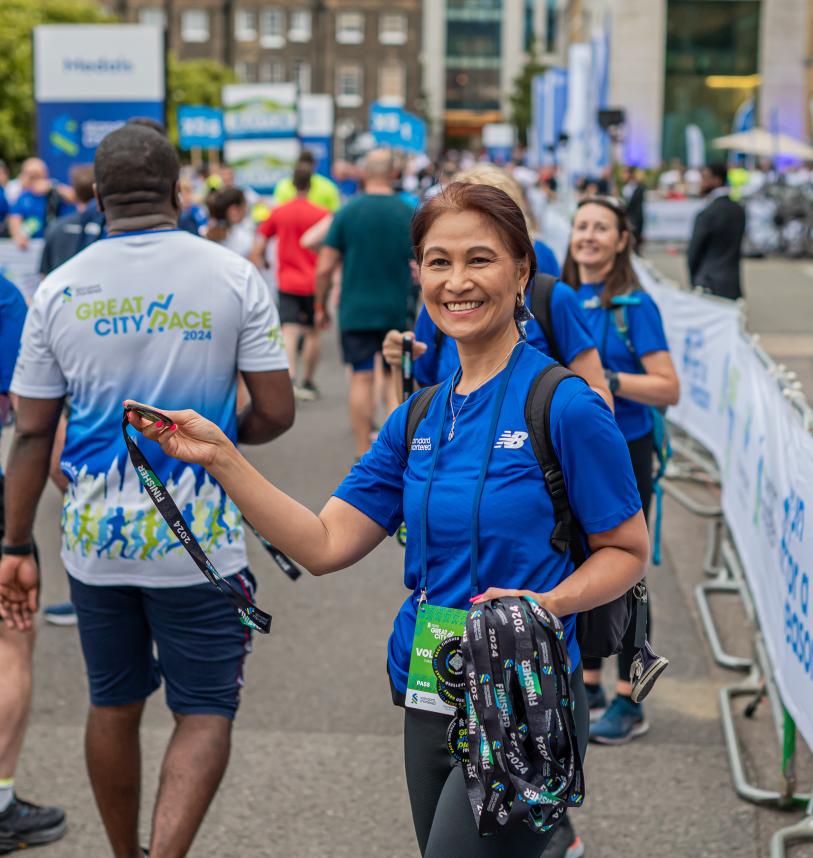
[(516, 515), (572, 336), (646, 335)]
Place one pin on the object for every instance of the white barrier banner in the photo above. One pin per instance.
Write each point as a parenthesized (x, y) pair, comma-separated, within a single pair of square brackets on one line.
[(21, 266), (702, 333), (767, 473), (731, 404)]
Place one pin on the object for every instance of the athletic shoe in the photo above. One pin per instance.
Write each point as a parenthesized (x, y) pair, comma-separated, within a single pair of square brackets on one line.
[(63, 614), (308, 391), (622, 722), (565, 843), (23, 824), (596, 702)]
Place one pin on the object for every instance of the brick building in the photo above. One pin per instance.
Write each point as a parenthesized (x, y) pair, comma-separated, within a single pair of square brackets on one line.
[(359, 51)]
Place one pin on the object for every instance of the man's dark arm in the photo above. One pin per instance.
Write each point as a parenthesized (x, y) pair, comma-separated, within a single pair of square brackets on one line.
[(700, 234), (271, 409), (28, 462)]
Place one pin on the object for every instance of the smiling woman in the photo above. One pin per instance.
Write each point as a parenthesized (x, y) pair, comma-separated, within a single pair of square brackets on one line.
[(476, 260), (468, 455)]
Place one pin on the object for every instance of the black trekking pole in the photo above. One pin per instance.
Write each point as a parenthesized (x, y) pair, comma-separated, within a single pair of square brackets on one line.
[(407, 389), (407, 378)]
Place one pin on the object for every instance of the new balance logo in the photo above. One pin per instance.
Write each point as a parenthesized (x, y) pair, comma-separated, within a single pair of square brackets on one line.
[(511, 440)]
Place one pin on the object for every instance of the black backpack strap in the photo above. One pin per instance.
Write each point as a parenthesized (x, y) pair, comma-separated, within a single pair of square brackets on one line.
[(566, 531), (541, 300), (418, 406), (439, 335), (53, 202)]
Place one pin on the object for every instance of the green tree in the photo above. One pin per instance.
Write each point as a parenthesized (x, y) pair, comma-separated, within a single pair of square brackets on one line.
[(194, 82), (520, 98), (17, 20)]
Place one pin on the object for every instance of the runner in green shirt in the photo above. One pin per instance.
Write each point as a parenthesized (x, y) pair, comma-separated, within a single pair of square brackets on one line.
[(323, 192)]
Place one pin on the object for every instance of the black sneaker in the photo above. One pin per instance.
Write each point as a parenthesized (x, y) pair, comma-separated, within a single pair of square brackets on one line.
[(23, 824)]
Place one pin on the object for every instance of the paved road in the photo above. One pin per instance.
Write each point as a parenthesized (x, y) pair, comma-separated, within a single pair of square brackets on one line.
[(317, 764)]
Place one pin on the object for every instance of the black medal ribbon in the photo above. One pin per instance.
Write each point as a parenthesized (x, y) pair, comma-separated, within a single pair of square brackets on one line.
[(522, 760), (250, 615)]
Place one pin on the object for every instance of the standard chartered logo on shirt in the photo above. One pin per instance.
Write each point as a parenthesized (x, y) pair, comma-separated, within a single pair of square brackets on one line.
[(137, 313)]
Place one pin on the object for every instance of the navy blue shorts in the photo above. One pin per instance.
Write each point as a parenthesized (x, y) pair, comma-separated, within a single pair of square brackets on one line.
[(132, 637)]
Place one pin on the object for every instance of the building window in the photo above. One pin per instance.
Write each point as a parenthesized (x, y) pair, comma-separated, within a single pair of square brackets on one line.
[(153, 16), (302, 76), (272, 28), (392, 84), (300, 29), (246, 72), (551, 22), (195, 25), (350, 28), (712, 66), (392, 28), (272, 71), (349, 85), (245, 25)]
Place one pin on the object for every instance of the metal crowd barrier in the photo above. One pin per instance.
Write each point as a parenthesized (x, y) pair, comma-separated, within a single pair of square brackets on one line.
[(722, 565)]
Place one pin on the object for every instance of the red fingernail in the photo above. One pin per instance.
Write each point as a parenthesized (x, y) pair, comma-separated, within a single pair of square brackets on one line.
[(475, 598), (159, 424), (173, 427)]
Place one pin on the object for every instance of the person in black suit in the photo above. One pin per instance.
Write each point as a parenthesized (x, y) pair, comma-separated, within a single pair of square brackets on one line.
[(715, 248), (633, 191)]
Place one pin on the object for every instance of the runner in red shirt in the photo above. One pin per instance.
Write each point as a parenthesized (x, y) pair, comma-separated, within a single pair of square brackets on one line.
[(296, 277)]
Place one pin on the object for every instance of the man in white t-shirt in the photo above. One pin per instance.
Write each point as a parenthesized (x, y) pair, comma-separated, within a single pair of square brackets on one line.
[(156, 314)]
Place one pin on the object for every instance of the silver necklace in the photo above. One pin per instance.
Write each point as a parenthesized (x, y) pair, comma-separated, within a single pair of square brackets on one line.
[(450, 436)]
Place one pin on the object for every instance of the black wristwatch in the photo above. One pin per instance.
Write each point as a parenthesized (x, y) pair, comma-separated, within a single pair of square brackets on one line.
[(18, 550), (612, 380)]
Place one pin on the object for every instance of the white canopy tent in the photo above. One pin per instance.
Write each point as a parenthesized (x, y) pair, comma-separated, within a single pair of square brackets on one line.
[(759, 141)]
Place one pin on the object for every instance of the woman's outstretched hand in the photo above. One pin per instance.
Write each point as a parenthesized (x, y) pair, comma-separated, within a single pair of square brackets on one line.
[(188, 437)]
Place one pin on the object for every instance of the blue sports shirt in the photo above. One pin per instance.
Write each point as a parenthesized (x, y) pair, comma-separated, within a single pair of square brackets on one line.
[(516, 514), (12, 318), (646, 335), (572, 335), (33, 209)]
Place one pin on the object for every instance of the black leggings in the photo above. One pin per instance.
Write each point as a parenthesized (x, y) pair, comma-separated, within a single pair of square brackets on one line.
[(444, 823), (641, 455)]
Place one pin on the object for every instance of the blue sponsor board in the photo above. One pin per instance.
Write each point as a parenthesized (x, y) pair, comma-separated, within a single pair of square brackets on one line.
[(200, 127), (69, 132), (392, 126)]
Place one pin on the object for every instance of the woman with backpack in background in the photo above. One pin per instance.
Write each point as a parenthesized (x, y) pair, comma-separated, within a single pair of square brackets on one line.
[(627, 327), (563, 335), (469, 485)]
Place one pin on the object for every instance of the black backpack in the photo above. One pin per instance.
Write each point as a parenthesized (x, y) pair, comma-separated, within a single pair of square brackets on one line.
[(600, 632), (541, 297)]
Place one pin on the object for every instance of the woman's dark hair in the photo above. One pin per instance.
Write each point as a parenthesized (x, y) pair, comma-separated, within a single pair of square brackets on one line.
[(621, 278), (219, 203), (504, 215)]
